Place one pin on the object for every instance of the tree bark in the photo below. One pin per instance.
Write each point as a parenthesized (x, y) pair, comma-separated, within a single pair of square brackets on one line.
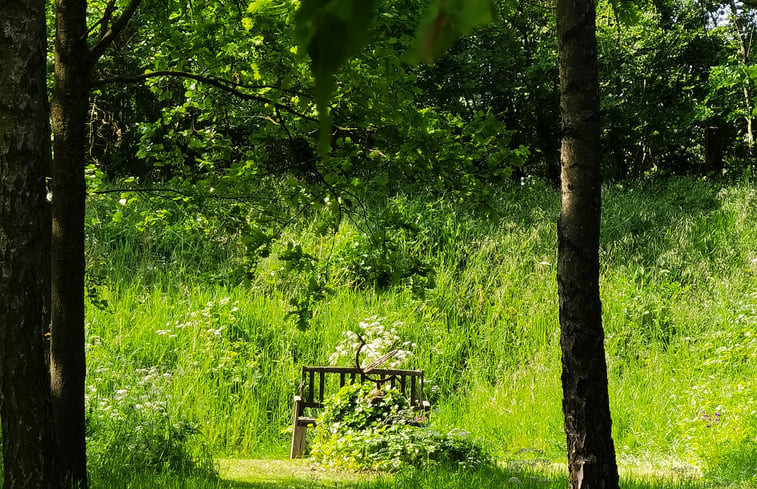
[(67, 357), (591, 452), (73, 64), (25, 408)]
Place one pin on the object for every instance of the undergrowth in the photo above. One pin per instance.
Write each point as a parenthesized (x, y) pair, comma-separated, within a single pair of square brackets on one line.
[(224, 331)]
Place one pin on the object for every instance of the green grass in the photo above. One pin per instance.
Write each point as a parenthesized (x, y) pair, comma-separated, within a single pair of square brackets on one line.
[(186, 350)]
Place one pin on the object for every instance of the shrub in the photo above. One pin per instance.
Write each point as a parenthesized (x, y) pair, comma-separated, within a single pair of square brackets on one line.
[(362, 428)]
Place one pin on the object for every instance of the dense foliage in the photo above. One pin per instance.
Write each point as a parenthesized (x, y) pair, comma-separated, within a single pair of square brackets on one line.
[(223, 95), (362, 428)]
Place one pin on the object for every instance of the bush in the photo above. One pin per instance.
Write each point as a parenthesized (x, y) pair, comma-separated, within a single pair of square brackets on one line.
[(362, 428)]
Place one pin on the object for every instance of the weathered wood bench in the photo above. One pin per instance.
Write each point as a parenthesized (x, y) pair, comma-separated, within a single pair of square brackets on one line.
[(314, 386)]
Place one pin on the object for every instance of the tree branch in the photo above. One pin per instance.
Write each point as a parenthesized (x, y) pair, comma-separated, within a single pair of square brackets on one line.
[(104, 20), (107, 37), (221, 84)]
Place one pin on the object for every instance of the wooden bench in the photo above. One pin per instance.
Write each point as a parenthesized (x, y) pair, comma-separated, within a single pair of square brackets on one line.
[(314, 386)]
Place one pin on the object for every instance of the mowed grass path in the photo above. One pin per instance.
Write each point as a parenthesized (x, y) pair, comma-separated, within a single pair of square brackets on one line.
[(301, 474), (287, 473)]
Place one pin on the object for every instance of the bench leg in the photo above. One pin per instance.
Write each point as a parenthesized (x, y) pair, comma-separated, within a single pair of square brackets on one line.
[(298, 442), (298, 432)]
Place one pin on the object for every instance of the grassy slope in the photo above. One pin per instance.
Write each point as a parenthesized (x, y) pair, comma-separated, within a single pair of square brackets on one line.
[(679, 282)]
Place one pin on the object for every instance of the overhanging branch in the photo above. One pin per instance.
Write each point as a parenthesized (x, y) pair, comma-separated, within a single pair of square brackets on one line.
[(221, 84)]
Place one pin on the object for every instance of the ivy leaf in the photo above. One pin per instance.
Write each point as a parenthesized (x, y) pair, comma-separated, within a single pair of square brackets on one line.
[(331, 31)]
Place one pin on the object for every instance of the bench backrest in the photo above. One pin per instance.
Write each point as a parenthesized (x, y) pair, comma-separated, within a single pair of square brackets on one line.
[(315, 385)]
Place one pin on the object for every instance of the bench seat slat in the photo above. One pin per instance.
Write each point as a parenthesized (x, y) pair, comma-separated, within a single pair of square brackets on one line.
[(306, 421)]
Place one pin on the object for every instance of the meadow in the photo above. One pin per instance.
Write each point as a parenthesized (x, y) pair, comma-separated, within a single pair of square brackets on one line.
[(194, 348)]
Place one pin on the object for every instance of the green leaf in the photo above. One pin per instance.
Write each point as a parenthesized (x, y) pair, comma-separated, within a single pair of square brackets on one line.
[(446, 20), (331, 31), (256, 5)]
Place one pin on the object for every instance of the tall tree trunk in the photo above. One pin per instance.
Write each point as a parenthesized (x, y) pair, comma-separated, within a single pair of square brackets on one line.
[(25, 409), (69, 118), (591, 453), (73, 64)]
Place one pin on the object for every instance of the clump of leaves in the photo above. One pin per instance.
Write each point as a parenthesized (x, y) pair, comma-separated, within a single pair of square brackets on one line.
[(363, 428)]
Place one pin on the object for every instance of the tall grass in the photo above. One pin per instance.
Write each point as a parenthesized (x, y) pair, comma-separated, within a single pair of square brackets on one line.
[(179, 340)]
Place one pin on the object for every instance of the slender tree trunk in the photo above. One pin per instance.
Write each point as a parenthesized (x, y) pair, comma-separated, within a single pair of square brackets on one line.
[(744, 39), (748, 118), (591, 453), (713, 150), (25, 409), (67, 357)]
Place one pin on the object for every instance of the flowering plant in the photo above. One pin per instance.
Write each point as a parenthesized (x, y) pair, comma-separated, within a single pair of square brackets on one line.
[(378, 340)]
